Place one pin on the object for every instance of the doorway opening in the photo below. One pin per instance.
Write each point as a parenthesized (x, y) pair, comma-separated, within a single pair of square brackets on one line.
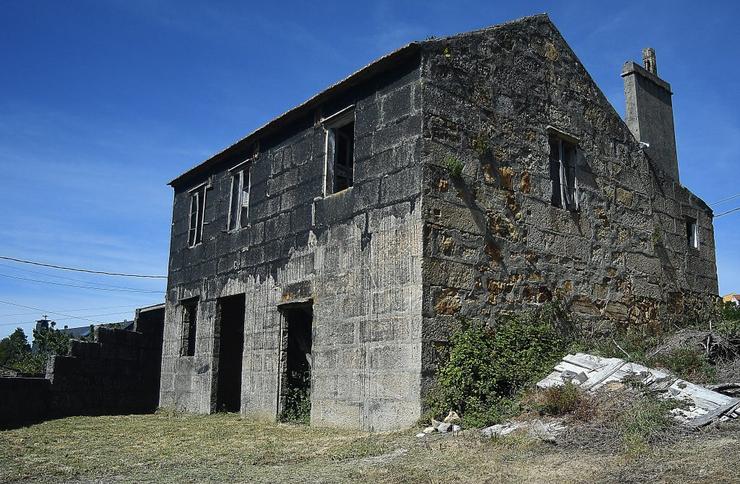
[(230, 326), (295, 387)]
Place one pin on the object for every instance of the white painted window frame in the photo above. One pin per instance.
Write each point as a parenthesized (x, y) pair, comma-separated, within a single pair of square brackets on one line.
[(694, 236), (330, 123), (200, 213), (241, 174)]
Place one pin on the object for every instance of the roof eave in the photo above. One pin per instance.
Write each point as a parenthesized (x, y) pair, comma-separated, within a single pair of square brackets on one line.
[(380, 65)]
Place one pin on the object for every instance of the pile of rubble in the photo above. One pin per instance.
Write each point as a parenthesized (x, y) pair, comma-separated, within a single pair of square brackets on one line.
[(536, 429), (697, 406), (451, 423)]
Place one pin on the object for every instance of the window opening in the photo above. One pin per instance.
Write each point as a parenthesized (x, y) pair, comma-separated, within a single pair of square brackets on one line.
[(692, 233), (197, 211), (189, 322), (239, 203), (563, 174), (340, 152)]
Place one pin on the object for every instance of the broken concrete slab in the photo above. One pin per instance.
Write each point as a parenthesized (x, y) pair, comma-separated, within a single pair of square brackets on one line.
[(592, 372), (547, 431)]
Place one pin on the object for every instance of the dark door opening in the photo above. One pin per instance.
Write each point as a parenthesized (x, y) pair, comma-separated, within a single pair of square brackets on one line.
[(295, 392), (231, 347)]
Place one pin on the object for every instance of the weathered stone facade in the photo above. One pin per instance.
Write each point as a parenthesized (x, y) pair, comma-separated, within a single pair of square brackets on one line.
[(386, 266)]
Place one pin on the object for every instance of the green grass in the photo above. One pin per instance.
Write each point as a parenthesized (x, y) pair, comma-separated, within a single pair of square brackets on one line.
[(219, 448)]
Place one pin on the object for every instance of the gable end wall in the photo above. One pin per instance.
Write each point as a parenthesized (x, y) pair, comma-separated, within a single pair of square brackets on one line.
[(492, 241)]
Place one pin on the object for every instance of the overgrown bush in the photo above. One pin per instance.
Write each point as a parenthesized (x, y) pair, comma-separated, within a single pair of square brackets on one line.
[(688, 363), (488, 367)]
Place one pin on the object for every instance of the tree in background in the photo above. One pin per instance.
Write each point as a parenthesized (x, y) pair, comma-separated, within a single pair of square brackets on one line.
[(14, 348), (16, 353)]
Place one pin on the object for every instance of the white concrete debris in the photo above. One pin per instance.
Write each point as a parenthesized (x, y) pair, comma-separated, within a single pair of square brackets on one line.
[(449, 424), (538, 429), (593, 372)]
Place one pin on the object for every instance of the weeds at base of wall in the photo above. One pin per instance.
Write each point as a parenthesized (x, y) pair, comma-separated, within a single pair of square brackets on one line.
[(488, 372), (488, 368), (298, 403)]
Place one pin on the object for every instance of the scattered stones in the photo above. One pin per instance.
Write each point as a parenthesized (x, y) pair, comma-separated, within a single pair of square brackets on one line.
[(449, 425)]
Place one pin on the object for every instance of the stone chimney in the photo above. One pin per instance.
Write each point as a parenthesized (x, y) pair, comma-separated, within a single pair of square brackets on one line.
[(650, 112)]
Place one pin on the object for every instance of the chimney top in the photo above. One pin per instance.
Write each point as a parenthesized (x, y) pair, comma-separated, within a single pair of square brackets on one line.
[(648, 60)]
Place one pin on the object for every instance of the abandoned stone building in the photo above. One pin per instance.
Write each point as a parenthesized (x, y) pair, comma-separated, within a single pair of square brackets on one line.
[(337, 245)]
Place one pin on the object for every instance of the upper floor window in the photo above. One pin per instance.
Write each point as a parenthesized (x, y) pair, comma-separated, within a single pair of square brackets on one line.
[(239, 202), (197, 212), (340, 150), (563, 176), (692, 233)]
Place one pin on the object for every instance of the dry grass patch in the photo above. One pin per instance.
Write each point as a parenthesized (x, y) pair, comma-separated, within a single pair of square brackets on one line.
[(224, 447)]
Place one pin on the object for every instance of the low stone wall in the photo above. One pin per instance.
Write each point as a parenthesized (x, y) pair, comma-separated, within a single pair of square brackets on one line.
[(109, 376), (23, 400), (118, 373)]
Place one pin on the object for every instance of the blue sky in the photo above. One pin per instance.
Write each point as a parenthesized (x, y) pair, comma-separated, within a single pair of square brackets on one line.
[(103, 102)]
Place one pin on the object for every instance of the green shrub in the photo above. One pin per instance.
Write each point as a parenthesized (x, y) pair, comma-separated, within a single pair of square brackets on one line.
[(561, 400), (453, 166), (488, 367), (688, 363)]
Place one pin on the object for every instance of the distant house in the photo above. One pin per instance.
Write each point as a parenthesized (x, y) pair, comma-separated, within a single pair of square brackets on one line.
[(332, 250), (732, 298), (81, 332)]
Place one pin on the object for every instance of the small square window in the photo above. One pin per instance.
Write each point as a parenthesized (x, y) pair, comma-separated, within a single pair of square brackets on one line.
[(563, 176), (692, 233), (197, 212), (340, 151), (239, 203)]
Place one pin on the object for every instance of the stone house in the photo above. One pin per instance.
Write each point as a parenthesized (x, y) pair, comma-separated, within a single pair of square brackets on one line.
[(455, 177)]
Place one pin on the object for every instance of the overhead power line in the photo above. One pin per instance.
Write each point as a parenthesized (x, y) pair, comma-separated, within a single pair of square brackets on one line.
[(44, 311), (97, 288), (727, 212), (98, 308), (733, 197), (21, 323), (76, 269), (55, 276)]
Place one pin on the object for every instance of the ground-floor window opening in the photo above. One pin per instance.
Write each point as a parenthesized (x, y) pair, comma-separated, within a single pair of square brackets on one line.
[(189, 311), (230, 334), (295, 388)]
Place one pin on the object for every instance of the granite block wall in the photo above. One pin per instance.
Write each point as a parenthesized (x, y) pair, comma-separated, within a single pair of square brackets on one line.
[(391, 264), (494, 242), (355, 256), (23, 401)]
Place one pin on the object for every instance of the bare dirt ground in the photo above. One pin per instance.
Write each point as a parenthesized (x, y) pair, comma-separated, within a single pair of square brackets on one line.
[(225, 447)]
